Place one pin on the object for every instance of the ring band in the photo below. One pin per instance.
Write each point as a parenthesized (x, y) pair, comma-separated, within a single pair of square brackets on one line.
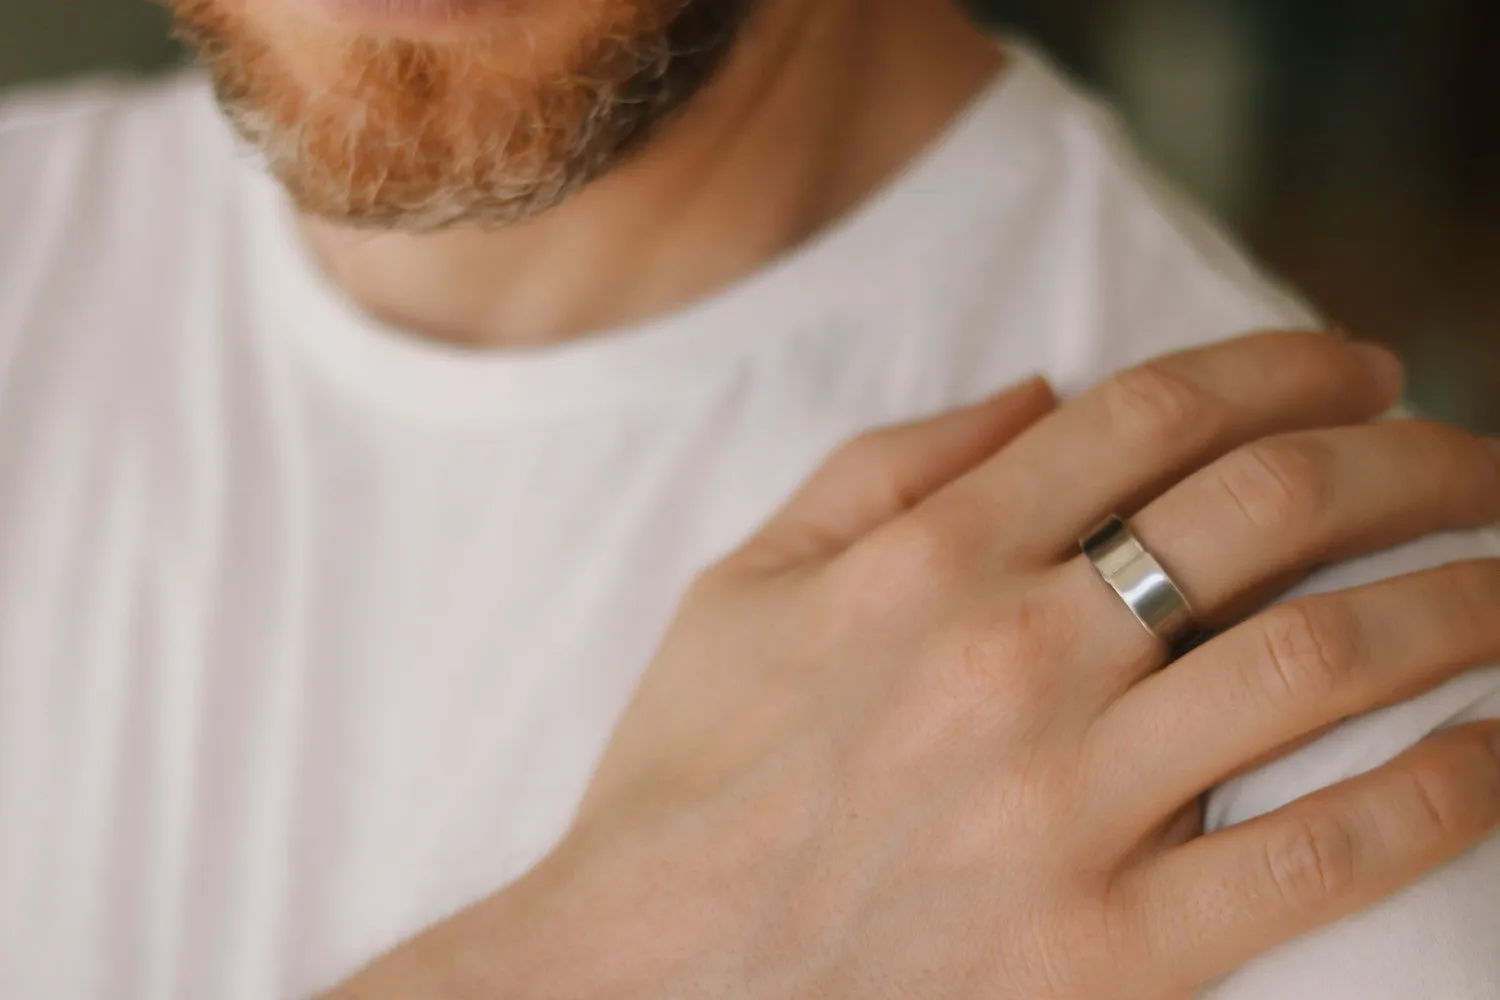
[(1134, 574)]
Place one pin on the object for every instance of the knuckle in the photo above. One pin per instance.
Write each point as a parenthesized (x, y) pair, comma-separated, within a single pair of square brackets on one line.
[(1456, 792), (712, 583), (1151, 404), (1279, 483), (1312, 652), (863, 456), (999, 659), (1440, 803), (919, 553), (1313, 861), (1094, 942), (1142, 935), (1473, 599), (1131, 925)]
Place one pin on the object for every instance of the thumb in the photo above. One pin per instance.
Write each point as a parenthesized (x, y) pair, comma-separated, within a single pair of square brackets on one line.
[(883, 473)]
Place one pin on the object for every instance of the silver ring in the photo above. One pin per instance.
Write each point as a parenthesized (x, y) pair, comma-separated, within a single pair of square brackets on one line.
[(1134, 574)]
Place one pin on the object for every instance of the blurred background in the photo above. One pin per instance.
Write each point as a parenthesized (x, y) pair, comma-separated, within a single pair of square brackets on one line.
[(1353, 144)]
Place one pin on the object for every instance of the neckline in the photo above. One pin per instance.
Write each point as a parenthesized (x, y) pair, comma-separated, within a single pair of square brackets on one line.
[(429, 381)]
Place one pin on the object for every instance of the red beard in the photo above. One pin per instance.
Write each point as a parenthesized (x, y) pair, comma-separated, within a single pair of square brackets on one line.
[(423, 135)]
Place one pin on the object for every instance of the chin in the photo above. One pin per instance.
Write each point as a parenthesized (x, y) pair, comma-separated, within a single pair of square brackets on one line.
[(438, 20), (327, 42), (427, 114)]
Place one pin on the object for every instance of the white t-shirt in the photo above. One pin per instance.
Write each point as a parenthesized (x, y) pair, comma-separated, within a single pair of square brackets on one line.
[(312, 632)]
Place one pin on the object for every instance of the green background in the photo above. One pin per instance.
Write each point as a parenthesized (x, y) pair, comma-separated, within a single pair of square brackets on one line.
[(56, 37)]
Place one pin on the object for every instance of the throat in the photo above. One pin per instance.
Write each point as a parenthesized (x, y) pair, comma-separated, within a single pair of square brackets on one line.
[(820, 104)]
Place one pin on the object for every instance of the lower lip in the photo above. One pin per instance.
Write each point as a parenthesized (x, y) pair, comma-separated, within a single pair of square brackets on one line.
[(409, 15)]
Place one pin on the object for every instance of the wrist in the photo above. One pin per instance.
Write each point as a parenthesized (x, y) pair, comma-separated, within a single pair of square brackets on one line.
[(526, 942), (595, 920)]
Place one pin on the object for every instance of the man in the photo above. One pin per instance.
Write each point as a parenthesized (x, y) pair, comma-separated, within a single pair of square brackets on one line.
[(334, 541)]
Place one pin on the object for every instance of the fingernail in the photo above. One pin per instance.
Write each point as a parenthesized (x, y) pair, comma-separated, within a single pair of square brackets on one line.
[(1384, 365)]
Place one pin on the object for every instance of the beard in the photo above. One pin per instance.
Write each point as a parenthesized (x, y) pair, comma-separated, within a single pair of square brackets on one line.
[(484, 131)]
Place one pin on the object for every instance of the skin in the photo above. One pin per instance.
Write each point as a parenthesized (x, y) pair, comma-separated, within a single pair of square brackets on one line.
[(904, 743)]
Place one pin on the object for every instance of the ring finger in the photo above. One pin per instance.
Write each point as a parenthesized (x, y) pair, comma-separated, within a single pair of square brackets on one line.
[(1267, 513)]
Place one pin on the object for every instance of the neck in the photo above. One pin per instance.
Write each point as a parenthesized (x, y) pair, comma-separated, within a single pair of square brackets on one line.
[(821, 103)]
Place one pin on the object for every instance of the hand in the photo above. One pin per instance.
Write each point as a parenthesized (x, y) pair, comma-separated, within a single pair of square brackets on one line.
[(906, 743)]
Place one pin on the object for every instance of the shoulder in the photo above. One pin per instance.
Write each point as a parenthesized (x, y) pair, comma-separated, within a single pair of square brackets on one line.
[(100, 153), (1166, 275), (101, 109), (98, 178), (77, 123), (111, 200), (1049, 225)]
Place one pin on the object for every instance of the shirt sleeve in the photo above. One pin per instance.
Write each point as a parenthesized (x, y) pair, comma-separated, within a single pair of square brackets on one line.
[(1438, 939)]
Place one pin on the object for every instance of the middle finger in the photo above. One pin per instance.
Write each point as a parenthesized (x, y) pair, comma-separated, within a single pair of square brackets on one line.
[(1148, 427)]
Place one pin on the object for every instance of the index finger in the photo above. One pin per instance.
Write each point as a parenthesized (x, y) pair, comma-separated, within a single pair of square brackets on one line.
[(1148, 427)]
